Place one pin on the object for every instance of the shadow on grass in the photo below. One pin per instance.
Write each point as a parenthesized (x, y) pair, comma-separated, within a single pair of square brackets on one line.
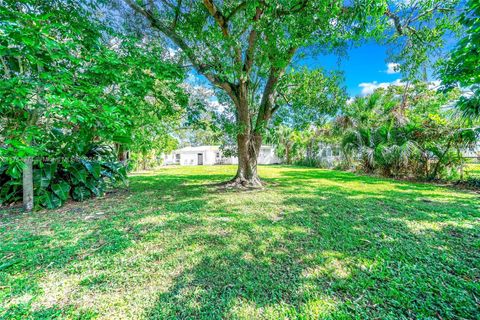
[(95, 229), (324, 249), (335, 256)]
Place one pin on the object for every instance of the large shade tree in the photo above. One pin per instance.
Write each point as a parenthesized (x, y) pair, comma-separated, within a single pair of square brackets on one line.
[(245, 48)]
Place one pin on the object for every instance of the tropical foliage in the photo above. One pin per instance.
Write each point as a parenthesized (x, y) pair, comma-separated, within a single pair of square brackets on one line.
[(70, 85), (406, 131), (463, 67), (55, 182), (303, 146)]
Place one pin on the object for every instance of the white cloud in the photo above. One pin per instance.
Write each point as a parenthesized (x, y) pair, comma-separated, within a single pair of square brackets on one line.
[(370, 87), (392, 68)]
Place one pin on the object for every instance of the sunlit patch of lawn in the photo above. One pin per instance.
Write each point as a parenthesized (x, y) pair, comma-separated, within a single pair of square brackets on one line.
[(473, 170), (313, 244)]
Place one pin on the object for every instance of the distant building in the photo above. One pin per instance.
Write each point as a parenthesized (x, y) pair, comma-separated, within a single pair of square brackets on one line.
[(212, 155), (329, 155)]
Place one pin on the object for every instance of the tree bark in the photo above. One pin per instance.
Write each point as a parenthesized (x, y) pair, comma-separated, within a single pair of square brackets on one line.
[(28, 184), (248, 144), (122, 153), (248, 150), (287, 154), (144, 161)]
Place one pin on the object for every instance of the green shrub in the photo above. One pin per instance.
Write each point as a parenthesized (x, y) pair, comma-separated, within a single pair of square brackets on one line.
[(55, 182), (473, 182)]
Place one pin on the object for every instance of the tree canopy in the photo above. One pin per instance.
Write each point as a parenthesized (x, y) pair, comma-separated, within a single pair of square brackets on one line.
[(245, 48), (70, 85), (87, 75), (463, 66)]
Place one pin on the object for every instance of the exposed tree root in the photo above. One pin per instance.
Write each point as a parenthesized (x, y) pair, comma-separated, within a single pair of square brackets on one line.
[(242, 183)]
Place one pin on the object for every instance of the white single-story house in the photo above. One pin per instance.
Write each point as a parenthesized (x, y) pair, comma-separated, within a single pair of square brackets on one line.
[(211, 155)]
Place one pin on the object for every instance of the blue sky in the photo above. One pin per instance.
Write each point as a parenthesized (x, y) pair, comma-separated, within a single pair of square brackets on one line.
[(364, 67)]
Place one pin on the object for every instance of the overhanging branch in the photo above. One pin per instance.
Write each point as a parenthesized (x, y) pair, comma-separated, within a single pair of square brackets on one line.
[(180, 42)]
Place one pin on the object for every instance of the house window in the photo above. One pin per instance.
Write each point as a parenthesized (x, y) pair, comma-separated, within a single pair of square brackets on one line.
[(217, 154), (177, 158)]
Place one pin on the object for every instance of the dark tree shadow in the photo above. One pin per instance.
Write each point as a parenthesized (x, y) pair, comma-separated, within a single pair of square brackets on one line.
[(361, 251), (330, 252), (99, 228)]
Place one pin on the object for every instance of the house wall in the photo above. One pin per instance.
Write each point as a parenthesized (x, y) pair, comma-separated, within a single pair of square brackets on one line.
[(209, 157), (190, 157), (267, 156), (169, 159)]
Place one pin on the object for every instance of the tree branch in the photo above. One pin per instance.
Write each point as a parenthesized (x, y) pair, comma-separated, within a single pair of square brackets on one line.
[(177, 14), (252, 39), (217, 15), (223, 24), (180, 42), (396, 21), (269, 92)]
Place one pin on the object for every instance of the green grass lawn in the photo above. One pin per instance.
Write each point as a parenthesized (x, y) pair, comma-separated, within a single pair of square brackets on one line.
[(473, 170), (313, 244)]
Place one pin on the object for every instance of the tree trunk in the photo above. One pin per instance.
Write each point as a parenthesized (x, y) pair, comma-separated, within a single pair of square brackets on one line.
[(249, 141), (28, 184), (122, 155), (248, 150), (440, 159), (287, 154), (144, 161)]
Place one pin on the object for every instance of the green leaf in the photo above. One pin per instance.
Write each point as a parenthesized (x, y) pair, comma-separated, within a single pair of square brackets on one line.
[(9, 264), (11, 191), (122, 139), (94, 168), (92, 185), (61, 189), (115, 171), (51, 201), (122, 174), (78, 173), (15, 170), (39, 180), (81, 193), (45, 175)]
